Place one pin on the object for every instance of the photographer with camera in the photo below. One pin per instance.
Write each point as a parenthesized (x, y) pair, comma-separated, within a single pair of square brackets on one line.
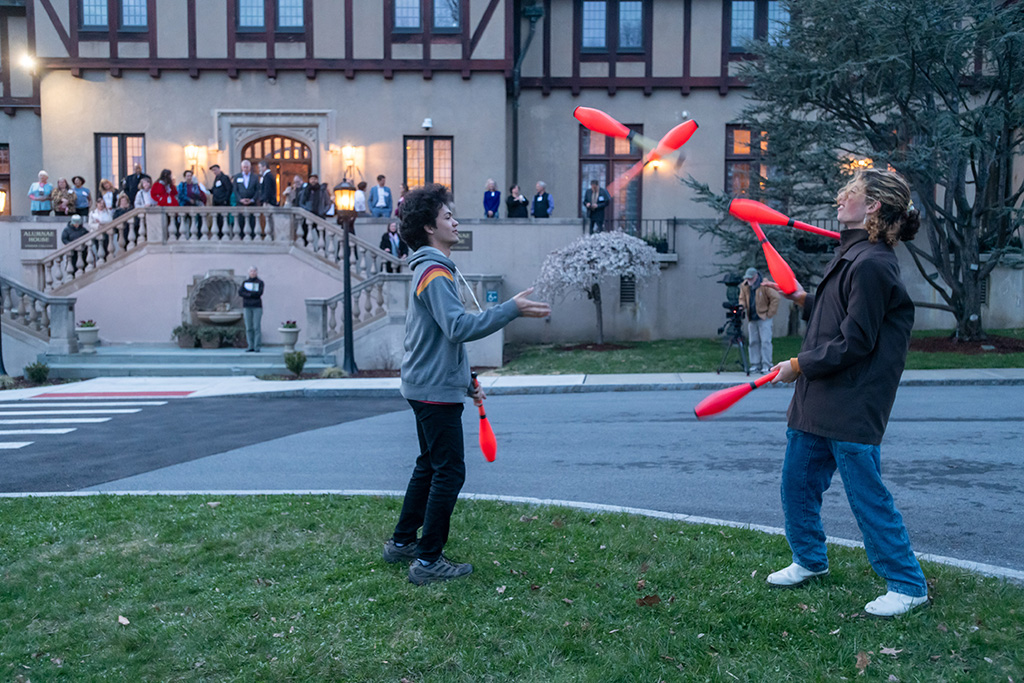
[(761, 304)]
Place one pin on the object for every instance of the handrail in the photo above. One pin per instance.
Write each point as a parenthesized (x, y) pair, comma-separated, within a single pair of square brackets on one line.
[(48, 318), (325, 240)]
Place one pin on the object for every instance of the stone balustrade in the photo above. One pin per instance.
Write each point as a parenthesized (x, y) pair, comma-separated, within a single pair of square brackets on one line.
[(48, 318)]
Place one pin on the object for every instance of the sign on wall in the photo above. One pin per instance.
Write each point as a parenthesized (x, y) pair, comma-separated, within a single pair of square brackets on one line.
[(38, 238), (465, 241)]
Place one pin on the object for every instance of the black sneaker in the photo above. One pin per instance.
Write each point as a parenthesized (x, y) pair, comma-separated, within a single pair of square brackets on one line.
[(405, 553), (441, 570)]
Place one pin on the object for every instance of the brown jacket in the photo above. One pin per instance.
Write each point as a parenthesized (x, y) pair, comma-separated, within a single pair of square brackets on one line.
[(767, 301)]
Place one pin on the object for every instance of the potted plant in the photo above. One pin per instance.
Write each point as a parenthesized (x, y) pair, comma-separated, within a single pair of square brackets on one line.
[(290, 331), (185, 333), (659, 242), (88, 335), (209, 337)]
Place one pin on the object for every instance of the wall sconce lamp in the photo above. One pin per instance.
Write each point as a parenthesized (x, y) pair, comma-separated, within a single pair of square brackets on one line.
[(29, 63), (191, 156), (428, 123), (3, 200), (348, 156)]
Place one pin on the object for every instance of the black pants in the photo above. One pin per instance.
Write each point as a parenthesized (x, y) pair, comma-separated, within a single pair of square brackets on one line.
[(436, 480)]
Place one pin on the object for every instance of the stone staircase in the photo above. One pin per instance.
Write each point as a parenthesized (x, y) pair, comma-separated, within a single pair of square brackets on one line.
[(165, 360)]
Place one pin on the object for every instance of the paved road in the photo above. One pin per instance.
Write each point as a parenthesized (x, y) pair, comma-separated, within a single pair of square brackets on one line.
[(953, 456)]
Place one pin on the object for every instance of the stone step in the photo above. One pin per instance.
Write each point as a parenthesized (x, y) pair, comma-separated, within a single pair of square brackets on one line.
[(128, 361)]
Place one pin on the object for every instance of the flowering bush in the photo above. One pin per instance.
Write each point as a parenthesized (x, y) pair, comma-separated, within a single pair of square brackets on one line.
[(289, 325), (580, 267), (87, 323)]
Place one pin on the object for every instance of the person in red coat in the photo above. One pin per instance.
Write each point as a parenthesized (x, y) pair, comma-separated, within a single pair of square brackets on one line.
[(163, 191)]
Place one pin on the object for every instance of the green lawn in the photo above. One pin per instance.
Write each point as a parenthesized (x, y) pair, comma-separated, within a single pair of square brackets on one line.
[(704, 355), (289, 588)]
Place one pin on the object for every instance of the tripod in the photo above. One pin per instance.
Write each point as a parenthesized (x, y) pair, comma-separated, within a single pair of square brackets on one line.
[(735, 336)]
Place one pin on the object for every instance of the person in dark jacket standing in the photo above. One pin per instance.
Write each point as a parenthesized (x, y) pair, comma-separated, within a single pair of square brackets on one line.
[(436, 380), (246, 188), (251, 292), (595, 201), (847, 374), (268, 185), (543, 204)]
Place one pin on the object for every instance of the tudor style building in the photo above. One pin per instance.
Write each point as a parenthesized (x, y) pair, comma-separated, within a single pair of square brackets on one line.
[(455, 91)]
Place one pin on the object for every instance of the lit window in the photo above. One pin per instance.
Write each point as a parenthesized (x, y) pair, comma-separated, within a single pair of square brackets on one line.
[(250, 14), (289, 14), (133, 13), (94, 13), (407, 14), (446, 14), (743, 161), (428, 159)]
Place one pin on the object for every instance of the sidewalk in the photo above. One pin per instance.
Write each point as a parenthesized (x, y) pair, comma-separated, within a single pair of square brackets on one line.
[(495, 385)]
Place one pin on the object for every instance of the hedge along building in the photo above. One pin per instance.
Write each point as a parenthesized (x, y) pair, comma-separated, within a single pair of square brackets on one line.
[(453, 91)]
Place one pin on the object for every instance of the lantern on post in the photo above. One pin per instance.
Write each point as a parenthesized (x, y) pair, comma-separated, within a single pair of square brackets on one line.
[(345, 209)]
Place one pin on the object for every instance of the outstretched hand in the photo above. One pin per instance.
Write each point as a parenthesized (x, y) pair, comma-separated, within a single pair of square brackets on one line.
[(529, 308), (799, 295)]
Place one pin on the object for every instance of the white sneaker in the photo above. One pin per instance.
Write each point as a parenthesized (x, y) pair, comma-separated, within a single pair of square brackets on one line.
[(792, 576), (893, 604)]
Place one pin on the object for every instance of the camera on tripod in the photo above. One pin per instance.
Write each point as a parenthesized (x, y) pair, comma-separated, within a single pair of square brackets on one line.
[(733, 319)]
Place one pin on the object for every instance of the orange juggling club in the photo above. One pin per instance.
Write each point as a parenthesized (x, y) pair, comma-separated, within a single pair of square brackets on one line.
[(722, 400), (488, 444), (780, 270), (749, 210), (600, 122), (670, 142)]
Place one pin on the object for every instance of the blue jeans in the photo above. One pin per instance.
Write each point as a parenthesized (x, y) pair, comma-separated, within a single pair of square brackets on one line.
[(253, 317), (811, 461)]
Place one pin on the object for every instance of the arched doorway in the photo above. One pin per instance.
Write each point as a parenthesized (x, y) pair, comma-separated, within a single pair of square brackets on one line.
[(287, 157)]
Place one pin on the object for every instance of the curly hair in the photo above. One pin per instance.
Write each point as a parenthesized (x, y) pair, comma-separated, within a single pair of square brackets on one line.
[(897, 219), (419, 210)]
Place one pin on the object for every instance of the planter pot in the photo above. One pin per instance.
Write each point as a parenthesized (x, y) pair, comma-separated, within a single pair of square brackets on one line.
[(87, 339), (210, 343), (291, 335), (186, 341)]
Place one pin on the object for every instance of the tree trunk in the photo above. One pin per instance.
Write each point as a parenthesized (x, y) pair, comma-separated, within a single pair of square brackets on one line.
[(595, 294), (968, 324)]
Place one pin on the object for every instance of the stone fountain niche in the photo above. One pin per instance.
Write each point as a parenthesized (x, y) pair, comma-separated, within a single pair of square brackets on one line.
[(212, 299)]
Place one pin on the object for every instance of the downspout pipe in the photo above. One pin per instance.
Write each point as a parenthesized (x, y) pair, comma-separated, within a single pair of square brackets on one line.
[(533, 13)]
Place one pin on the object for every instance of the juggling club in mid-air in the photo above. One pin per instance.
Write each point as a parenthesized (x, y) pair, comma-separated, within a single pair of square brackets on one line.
[(750, 210), (722, 400), (782, 274), (670, 142)]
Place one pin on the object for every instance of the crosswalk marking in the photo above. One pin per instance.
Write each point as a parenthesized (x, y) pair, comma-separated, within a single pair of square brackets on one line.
[(99, 411), (12, 445), (91, 404), (54, 420), (55, 430)]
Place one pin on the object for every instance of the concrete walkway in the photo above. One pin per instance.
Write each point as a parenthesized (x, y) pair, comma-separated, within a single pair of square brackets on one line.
[(198, 387)]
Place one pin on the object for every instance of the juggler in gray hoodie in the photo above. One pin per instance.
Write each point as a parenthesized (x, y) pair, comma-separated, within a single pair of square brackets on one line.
[(435, 367)]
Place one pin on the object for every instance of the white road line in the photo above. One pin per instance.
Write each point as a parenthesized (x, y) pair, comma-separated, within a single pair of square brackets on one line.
[(55, 420), (83, 404), (100, 411), (56, 430), (12, 445)]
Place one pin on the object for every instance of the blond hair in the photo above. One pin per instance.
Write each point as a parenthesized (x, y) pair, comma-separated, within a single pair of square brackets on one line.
[(896, 218)]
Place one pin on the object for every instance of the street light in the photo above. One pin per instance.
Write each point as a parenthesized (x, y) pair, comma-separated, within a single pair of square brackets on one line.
[(3, 370), (345, 209)]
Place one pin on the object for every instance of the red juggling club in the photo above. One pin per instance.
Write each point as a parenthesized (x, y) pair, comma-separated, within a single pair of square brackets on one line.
[(600, 122), (488, 444), (750, 210), (722, 400), (780, 270), (670, 142)]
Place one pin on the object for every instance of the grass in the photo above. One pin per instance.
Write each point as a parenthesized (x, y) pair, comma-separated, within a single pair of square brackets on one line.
[(293, 589), (704, 355)]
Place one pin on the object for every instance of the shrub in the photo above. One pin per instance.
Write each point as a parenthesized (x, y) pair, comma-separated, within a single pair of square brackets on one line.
[(295, 361), (37, 372), (333, 372), (184, 330), (208, 333), (6, 382)]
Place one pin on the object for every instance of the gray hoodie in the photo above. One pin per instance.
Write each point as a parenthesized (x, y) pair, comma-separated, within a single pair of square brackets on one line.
[(435, 367)]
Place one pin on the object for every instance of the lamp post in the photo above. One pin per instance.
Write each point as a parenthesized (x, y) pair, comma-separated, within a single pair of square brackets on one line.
[(3, 370), (345, 209)]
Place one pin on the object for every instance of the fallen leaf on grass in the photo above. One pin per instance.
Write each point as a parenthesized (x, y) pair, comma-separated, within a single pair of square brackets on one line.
[(524, 518), (534, 587), (644, 567), (648, 600), (567, 601), (641, 584), (123, 620), (405, 680), (834, 633), (213, 504), (862, 662), (557, 523), (943, 628), (501, 590), (893, 679), (890, 651)]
